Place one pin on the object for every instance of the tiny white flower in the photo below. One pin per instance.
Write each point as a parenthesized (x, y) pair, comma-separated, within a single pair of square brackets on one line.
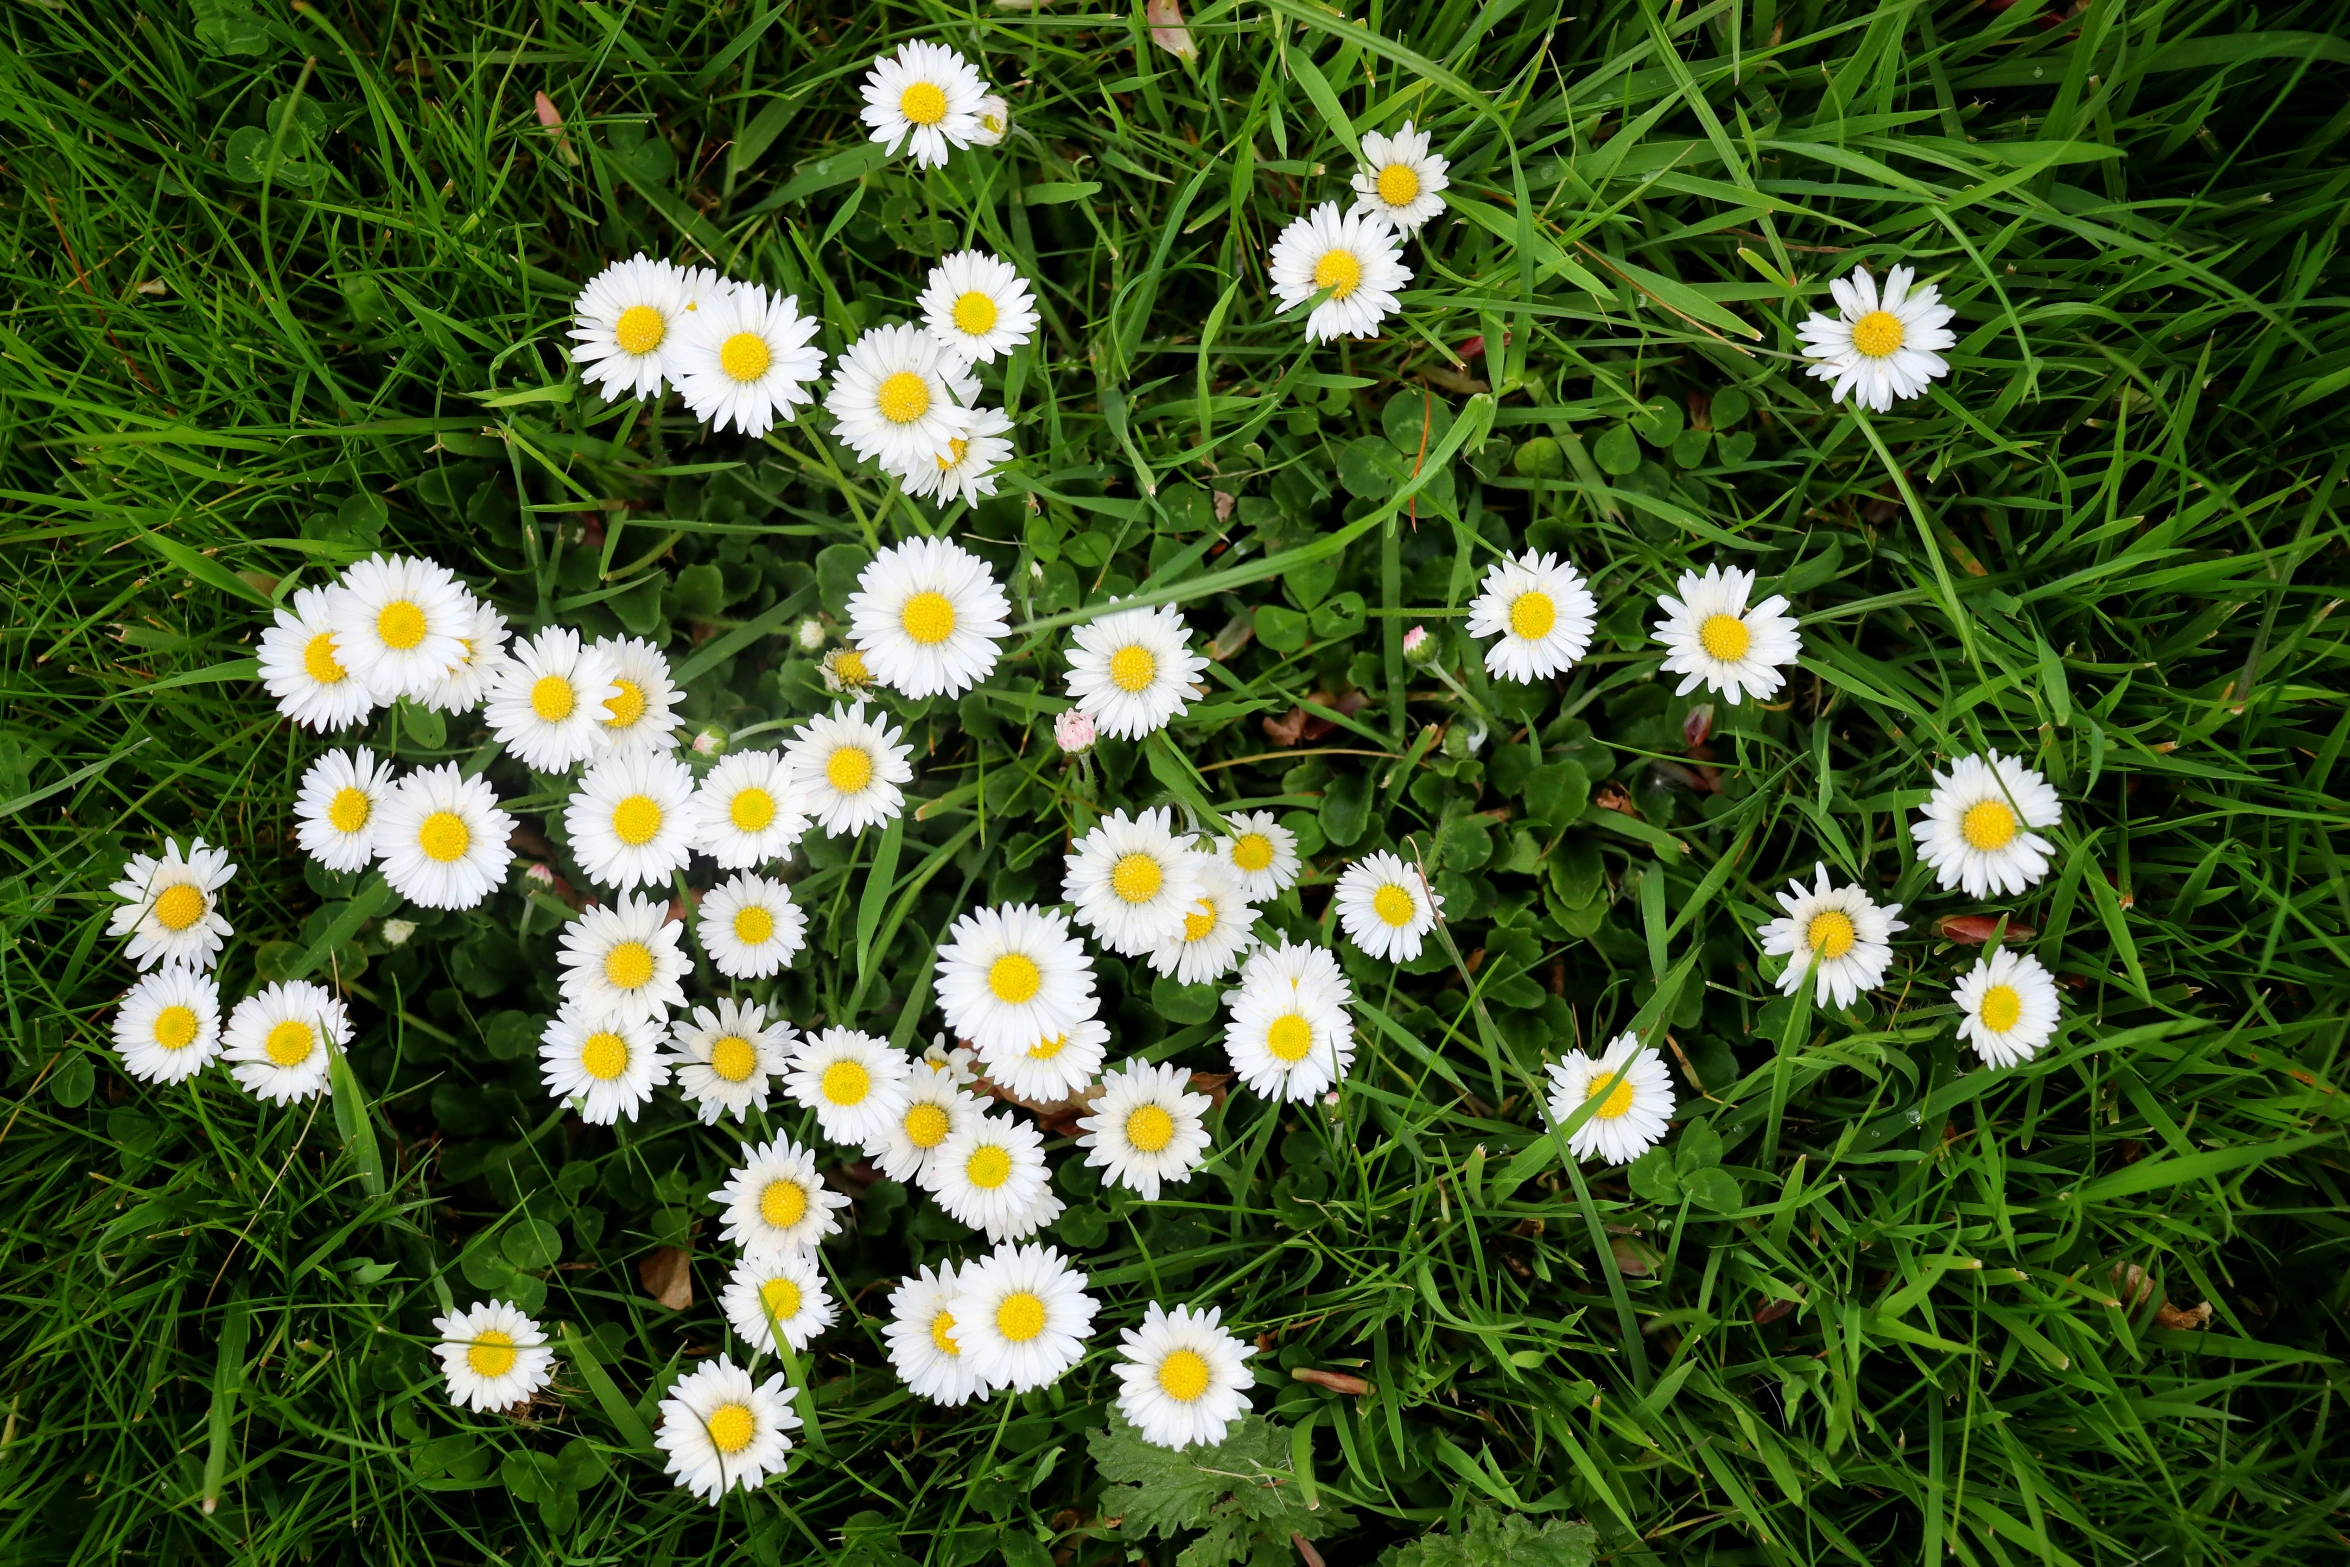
[(492, 1356), (845, 673), (1400, 182), (301, 671), (779, 1296), (1009, 976), (848, 771), (1356, 258), (1973, 831), (2007, 1007), (399, 624), (927, 614), (1132, 881), (631, 819), (398, 933), (1219, 926), (1021, 1317), (750, 927), (1133, 670), (776, 1202), (725, 1056), (897, 398), (990, 1174), (1879, 348), (1051, 1067), (743, 811), (923, 1349), (467, 684), (1714, 639), (1634, 1094), (1289, 1036), (1260, 853), (1147, 1128), (624, 959), (547, 701), (978, 305), (1183, 1379), (746, 360), (442, 840), (1540, 610), (278, 1040), (335, 809), (642, 713), (722, 1430), (1843, 928), (167, 1028), (627, 321), (927, 98), (995, 121), (171, 906), (609, 1065), (854, 1082), (1386, 906), (936, 1107)]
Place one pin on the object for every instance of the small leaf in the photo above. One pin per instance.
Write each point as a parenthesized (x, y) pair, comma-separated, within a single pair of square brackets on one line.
[(1698, 1147), (1346, 808), (533, 1245), (1617, 452), (1283, 630), (1184, 1003), (1651, 1177), (1558, 792), (74, 1082), (1714, 1189)]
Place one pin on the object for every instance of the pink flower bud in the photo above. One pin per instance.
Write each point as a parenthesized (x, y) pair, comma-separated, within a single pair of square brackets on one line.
[(1413, 638), (1074, 731)]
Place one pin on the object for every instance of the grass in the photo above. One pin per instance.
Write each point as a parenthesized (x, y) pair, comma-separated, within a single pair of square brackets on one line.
[(285, 282)]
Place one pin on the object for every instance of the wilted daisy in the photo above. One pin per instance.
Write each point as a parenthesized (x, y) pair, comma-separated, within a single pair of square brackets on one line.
[(1260, 853), (642, 714), (441, 839), (743, 813), (782, 1296), (1287, 1041), (631, 819), (1051, 1067), (845, 673), (725, 1055), (746, 360), (610, 1065), (1712, 638), (1972, 832), (547, 702), (1386, 906), (335, 809), (2007, 1008), (750, 927), (776, 1202), (923, 1350), (1879, 348), (1217, 928), (300, 669), (1147, 1128), (1842, 928), (277, 1040), (1355, 258), (1021, 1316), (492, 1356), (1541, 612), (966, 470), (995, 121), (990, 1174), (936, 1105), (1133, 670), (1009, 976), (895, 396), (723, 1430), (1132, 881), (927, 98), (467, 684), (626, 326), (927, 615), (847, 771), (1633, 1094), (624, 959), (1183, 1380), (171, 906), (399, 624), (168, 1026), (1400, 182), (978, 305), (854, 1082)]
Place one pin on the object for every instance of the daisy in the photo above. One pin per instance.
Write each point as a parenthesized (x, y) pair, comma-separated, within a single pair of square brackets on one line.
[(1302, 967), (170, 906), (492, 1356), (845, 673), (724, 1057), (547, 702), (1634, 1094), (642, 714), (1287, 1040), (277, 1040), (750, 927), (936, 1108), (966, 470), (1182, 1377), (1146, 1128), (1053, 1066), (847, 770), (336, 808), (895, 396), (1022, 1316), (1542, 612), (1972, 830), (926, 97), (743, 813), (1133, 670), (854, 1082), (1712, 638), (956, 1060), (1009, 976), (723, 1431), (927, 615), (1357, 259), (923, 1350), (442, 840), (1386, 906), (995, 121), (2007, 1007), (990, 1174), (467, 684), (608, 1066), (168, 1026), (777, 1297), (624, 960), (1400, 182), (746, 360), (626, 327), (1133, 881), (1217, 928), (776, 1202), (630, 822), (700, 286), (1879, 349), (1260, 853), (1842, 928), (399, 624), (300, 669), (978, 305)]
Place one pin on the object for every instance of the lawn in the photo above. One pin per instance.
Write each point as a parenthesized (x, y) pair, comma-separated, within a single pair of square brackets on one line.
[(290, 285)]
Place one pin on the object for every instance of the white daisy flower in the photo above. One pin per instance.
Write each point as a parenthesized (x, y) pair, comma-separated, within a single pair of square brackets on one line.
[(609, 1066), (936, 1106), (722, 1430), (1183, 1380), (750, 927), (1386, 906), (1012, 975), (1217, 928), (167, 1028), (1260, 853), (171, 906), (1133, 670), (995, 121), (1146, 1127), (1400, 182), (467, 684), (854, 1082), (896, 398), (1287, 1040), (701, 285), (725, 1056), (746, 359), (957, 1061), (927, 615), (642, 714), (743, 812), (1879, 349), (492, 1356), (1052, 1067), (1132, 881), (923, 1350), (442, 840), (990, 1174), (776, 1202), (1021, 1316), (1542, 612), (302, 672), (925, 97), (400, 624), (966, 470), (1302, 967), (547, 702), (2007, 1008), (1972, 832), (626, 327), (1635, 1095), (845, 673), (848, 771), (624, 959), (777, 1297), (277, 1040), (631, 819), (978, 305), (1843, 928), (1712, 638), (1357, 258), (336, 808)]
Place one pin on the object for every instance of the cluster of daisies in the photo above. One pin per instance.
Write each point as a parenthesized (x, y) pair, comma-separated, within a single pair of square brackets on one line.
[(1352, 260)]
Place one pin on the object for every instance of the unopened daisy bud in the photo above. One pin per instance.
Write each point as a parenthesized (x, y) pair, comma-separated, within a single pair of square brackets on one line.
[(544, 875), (397, 933), (995, 121), (809, 634), (1418, 646), (710, 740), (1073, 731)]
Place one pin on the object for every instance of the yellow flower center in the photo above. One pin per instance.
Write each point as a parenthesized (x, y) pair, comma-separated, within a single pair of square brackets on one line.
[(753, 925), (1046, 1049), (783, 1204), (781, 1298), (733, 1058), (1339, 272), (1150, 1128), (636, 820), (1532, 614), (639, 329), (988, 1167), (751, 810), (1614, 1092), (975, 314), (492, 1353), (1137, 878), (1394, 906), (1987, 825), (1020, 1317), (175, 1027), (957, 447), (629, 965), (744, 356), (604, 1056), (846, 1083), (1290, 1037), (349, 809), (904, 398), (1830, 933), (2002, 1008), (1399, 185), (928, 618), (848, 666), (399, 625), (1183, 1376), (942, 1331), (1014, 978), (1725, 637), (290, 1042), (181, 905), (925, 103), (1877, 334), (551, 698), (849, 770), (1196, 927), (626, 707), (926, 1125), (732, 1426), (318, 659), (1132, 668), (1252, 851), (444, 837)]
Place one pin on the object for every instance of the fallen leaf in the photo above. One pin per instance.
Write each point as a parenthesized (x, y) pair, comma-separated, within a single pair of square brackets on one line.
[(1973, 930), (1167, 29), (668, 1277), (1335, 1381), (2196, 1316)]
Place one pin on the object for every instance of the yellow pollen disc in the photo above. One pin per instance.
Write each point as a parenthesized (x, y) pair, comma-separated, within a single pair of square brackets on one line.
[(783, 1204), (181, 905), (1132, 668), (1197, 926), (1398, 185), (1136, 878), (753, 926), (942, 1331), (744, 356), (399, 625), (956, 448), (1020, 1317), (628, 965), (926, 1125), (732, 1058), (925, 103), (846, 1083), (2001, 1009), (444, 837), (988, 1167), (551, 698), (318, 659), (848, 770), (975, 314), (849, 665), (175, 1027), (1830, 933), (928, 618), (1339, 272), (1252, 851), (349, 809), (626, 707), (904, 398), (1725, 637), (290, 1042), (639, 329), (492, 1353), (1014, 978), (732, 1426), (1618, 1091), (1987, 825), (1046, 1049), (1183, 1376), (1150, 1128), (636, 821), (1532, 614), (1878, 333), (1394, 906), (604, 1056), (751, 810), (1290, 1037), (781, 1298)]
